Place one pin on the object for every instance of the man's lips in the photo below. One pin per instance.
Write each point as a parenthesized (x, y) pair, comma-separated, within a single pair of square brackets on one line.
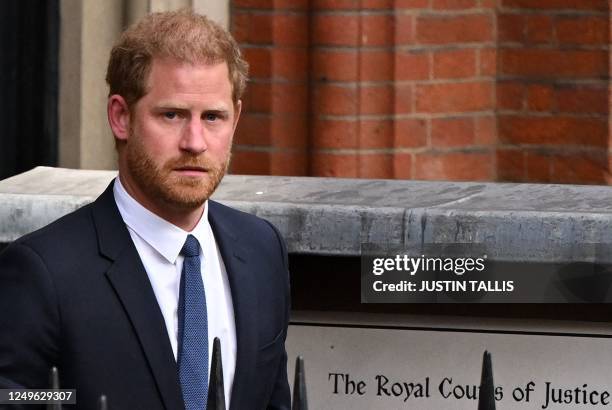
[(195, 171)]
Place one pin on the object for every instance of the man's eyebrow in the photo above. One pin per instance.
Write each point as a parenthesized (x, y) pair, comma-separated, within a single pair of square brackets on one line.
[(219, 110), (169, 105)]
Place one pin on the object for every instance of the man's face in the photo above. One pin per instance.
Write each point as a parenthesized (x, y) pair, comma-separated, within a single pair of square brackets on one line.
[(180, 136)]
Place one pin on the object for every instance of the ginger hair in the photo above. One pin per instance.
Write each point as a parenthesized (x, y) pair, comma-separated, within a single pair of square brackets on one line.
[(181, 35)]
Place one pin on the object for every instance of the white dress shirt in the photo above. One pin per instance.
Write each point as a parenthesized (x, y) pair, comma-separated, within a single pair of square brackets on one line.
[(159, 243)]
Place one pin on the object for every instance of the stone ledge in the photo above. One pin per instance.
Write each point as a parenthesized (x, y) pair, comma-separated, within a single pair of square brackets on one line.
[(333, 216)]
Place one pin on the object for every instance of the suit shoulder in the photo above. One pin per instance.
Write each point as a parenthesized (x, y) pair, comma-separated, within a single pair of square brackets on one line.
[(69, 229)]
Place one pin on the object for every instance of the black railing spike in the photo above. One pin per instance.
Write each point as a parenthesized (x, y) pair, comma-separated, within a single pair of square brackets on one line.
[(300, 401), (216, 390), (54, 384), (54, 378), (486, 397), (102, 403)]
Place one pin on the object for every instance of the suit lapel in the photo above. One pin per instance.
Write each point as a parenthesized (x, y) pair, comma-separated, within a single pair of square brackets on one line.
[(244, 300), (131, 283)]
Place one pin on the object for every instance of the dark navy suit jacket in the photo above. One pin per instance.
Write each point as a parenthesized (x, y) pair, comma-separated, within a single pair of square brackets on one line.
[(75, 295)]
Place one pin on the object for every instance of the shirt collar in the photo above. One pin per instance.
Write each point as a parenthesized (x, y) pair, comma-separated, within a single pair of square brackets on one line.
[(166, 238)]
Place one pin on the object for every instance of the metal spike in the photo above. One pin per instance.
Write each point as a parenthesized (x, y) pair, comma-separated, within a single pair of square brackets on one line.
[(102, 403), (216, 390), (486, 397), (54, 378), (54, 384), (300, 401)]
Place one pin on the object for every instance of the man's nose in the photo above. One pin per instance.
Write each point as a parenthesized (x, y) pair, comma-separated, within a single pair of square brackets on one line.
[(194, 137)]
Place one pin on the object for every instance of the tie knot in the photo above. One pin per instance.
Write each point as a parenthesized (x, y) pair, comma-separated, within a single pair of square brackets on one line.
[(191, 247)]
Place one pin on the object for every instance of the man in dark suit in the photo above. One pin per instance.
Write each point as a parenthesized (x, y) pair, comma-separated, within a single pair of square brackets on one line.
[(125, 295)]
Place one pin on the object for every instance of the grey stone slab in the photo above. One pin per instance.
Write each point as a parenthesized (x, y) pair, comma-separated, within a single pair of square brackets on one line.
[(335, 216), (58, 182)]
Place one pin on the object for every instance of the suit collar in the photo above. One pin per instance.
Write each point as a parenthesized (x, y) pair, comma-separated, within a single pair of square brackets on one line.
[(113, 236), (129, 279), (244, 298)]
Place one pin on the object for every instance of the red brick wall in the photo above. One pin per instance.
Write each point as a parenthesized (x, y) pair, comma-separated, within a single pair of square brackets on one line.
[(272, 136), (425, 89), (553, 91)]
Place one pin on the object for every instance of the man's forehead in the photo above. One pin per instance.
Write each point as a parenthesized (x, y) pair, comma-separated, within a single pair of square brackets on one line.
[(174, 64), (183, 76)]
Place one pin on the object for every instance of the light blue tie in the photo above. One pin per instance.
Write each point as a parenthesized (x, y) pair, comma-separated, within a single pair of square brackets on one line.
[(193, 330)]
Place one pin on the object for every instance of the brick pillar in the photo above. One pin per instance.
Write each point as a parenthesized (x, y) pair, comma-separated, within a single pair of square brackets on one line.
[(352, 106), (272, 136), (553, 91), (403, 89), (455, 99)]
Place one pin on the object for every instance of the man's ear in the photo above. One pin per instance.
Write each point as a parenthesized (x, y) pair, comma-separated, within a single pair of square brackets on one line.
[(118, 116)]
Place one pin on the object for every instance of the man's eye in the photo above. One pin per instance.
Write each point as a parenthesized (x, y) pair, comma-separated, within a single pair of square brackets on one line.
[(170, 115), (211, 117)]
